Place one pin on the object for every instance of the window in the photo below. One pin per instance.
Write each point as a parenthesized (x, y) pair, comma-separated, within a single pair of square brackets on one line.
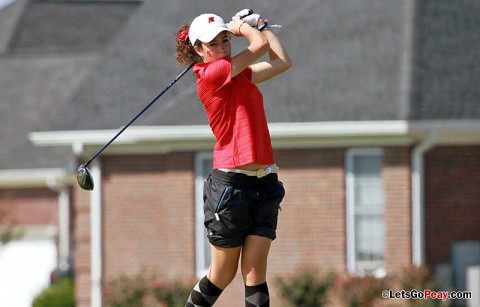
[(203, 166), (365, 212)]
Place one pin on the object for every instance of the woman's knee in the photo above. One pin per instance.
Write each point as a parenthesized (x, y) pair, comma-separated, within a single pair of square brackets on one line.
[(254, 259), (222, 277), (253, 276)]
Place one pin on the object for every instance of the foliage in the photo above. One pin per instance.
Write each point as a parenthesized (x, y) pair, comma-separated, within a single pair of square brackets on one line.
[(126, 291), (420, 278), (142, 290), (173, 294), (58, 294), (360, 291), (307, 288)]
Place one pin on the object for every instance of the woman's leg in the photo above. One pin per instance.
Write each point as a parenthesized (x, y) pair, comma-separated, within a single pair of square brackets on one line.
[(254, 270), (223, 269), (224, 265)]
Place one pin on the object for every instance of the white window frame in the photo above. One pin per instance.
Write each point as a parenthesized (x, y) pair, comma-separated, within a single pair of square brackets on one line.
[(200, 232), (350, 211)]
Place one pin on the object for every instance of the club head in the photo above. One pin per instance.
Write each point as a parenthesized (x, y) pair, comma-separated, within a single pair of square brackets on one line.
[(84, 178)]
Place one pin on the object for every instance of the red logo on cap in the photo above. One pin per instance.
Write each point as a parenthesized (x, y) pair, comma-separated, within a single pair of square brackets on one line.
[(211, 19)]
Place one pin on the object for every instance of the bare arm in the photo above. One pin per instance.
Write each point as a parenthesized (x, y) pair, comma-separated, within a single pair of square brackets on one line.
[(279, 60), (258, 45)]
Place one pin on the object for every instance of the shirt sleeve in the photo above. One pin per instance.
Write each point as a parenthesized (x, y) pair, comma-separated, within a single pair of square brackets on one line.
[(216, 74), (247, 73)]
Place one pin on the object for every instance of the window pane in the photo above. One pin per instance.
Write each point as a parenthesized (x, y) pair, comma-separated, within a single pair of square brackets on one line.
[(367, 210), (369, 237)]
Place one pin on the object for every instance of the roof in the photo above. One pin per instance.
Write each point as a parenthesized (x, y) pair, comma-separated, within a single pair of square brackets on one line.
[(29, 104), (60, 26), (447, 66), (41, 68), (354, 60), (346, 59)]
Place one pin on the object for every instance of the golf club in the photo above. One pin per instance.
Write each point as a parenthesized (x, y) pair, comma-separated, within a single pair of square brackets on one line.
[(84, 177)]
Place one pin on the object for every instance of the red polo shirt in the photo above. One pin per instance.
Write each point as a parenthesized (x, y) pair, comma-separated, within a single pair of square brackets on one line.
[(234, 108)]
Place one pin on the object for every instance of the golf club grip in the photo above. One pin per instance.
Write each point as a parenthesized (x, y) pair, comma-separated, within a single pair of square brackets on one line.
[(139, 114)]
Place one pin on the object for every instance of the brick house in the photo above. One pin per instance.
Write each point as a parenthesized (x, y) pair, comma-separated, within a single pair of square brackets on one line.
[(376, 129)]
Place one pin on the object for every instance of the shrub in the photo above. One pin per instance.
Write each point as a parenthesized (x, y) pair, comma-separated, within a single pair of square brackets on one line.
[(360, 291), (143, 290), (126, 291), (419, 279), (173, 294), (58, 294), (307, 288)]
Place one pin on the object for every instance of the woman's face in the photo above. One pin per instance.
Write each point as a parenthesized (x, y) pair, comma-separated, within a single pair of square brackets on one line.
[(219, 47)]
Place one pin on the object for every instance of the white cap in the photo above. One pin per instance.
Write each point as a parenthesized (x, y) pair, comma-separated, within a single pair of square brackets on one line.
[(205, 27)]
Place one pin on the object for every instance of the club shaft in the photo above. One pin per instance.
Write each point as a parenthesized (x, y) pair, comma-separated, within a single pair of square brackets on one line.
[(139, 114)]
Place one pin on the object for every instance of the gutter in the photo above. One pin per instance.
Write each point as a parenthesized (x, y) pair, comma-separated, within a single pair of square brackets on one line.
[(39, 177), (418, 206), (147, 139)]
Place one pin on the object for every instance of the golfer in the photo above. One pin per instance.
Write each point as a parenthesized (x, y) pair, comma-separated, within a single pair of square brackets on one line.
[(242, 194)]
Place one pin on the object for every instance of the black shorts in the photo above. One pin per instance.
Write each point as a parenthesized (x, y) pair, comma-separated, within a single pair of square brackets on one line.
[(237, 205)]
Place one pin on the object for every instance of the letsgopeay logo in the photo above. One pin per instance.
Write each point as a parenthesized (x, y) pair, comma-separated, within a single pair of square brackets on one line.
[(426, 294)]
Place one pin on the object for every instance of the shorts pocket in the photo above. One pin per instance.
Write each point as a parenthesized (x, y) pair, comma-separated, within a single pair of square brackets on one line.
[(273, 191), (233, 211), (226, 209)]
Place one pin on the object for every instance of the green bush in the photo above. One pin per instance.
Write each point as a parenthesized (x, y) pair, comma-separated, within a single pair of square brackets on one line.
[(173, 294), (309, 288), (126, 291), (143, 290), (58, 294), (360, 291), (306, 288), (419, 279)]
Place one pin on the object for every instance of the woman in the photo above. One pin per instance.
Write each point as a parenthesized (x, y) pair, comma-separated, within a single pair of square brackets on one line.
[(242, 195)]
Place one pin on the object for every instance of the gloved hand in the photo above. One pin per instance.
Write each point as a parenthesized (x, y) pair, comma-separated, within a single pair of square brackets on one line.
[(253, 20), (249, 17), (243, 13)]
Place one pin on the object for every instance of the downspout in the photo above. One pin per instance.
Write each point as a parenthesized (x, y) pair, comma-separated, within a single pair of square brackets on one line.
[(96, 236), (418, 220), (63, 223)]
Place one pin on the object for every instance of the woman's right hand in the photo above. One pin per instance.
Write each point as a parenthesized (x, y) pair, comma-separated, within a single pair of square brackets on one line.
[(236, 25)]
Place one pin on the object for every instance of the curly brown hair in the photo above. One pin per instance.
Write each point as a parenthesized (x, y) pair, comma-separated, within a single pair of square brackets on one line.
[(184, 51)]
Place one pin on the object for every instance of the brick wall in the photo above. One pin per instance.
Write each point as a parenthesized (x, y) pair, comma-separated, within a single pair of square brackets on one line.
[(452, 199), (149, 213), (312, 224), (397, 185), (30, 206), (148, 220)]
